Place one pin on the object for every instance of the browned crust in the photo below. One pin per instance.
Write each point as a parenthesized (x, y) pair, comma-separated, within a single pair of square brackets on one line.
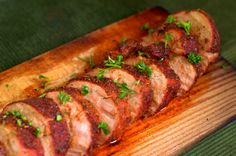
[(61, 137), (90, 111), (45, 106), (121, 104), (59, 130), (145, 84), (215, 46), (26, 136), (3, 151), (173, 82)]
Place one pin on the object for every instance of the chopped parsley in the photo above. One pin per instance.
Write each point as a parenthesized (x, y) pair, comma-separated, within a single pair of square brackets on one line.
[(58, 117), (170, 19), (137, 82), (114, 63), (123, 89), (16, 113), (42, 95), (43, 77), (23, 118), (141, 53), (100, 74), (37, 132), (194, 58), (73, 76), (19, 122), (185, 25), (84, 90), (104, 127), (63, 97), (30, 123), (224, 66), (123, 40), (143, 68), (148, 28), (167, 39), (88, 60), (145, 26)]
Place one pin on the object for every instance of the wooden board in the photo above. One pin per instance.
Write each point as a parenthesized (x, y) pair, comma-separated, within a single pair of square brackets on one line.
[(210, 103)]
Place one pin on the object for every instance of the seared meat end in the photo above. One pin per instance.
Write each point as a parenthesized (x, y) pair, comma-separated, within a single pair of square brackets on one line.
[(157, 51)]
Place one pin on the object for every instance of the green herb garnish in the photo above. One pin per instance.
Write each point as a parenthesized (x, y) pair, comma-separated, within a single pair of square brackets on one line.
[(58, 117), (63, 97), (42, 95), (145, 26), (170, 19), (23, 118), (104, 127), (43, 77), (30, 123), (16, 113), (151, 30), (141, 53), (224, 66), (194, 58), (19, 122), (84, 90), (123, 89), (37, 132), (185, 25), (143, 68), (137, 82), (100, 74), (88, 60), (114, 63), (167, 39)]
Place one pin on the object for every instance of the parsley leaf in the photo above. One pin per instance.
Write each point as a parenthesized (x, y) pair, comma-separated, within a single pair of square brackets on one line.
[(42, 95), (185, 25), (37, 132), (145, 26), (100, 74), (143, 68), (141, 53), (88, 60), (104, 127), (194, 58), (170, 19), (63, 97), (84, 90), (167, 39), (124, 90), (58, 117), (43, 77), (114, 63), (19, 122)]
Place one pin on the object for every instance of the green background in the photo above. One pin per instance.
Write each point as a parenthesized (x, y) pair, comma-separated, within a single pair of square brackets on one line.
[(29, 28)]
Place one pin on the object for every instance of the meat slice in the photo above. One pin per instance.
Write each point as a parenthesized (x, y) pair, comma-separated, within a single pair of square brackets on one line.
[(204, 28), (164, 81), (103, 94), (54, 136), (186, 72), (81, 119), (28, 143), (3, 151), (141, 97)]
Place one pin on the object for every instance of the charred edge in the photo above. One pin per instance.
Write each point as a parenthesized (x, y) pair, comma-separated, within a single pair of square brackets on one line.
[(45, 106), (25, 135), (61, 137)]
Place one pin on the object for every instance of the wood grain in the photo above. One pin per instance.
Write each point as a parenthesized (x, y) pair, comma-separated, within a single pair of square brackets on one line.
[(209, 104)]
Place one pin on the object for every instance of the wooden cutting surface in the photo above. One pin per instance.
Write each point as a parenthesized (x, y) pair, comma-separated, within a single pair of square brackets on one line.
[(210, 104)]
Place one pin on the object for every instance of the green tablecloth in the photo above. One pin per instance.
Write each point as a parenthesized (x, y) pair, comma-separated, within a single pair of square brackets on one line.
[(28, 28)]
